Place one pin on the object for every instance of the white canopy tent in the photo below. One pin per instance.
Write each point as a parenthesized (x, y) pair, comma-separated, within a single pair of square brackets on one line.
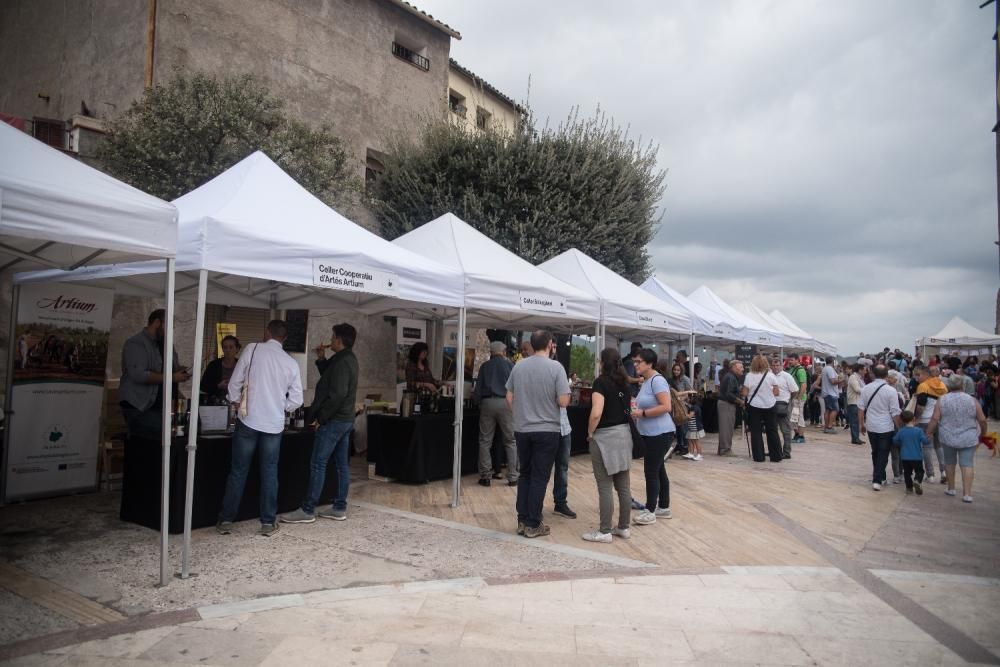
[(753, 331), (959, 334), (817, 345), (500, 289), (625, 307), (58, 213), (707, 323), (253, 236), (790, 340)]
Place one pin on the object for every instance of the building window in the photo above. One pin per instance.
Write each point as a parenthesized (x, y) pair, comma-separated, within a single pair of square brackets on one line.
[(456, 103), (410, 56), (51, 132), (483, 118), (373, 168)]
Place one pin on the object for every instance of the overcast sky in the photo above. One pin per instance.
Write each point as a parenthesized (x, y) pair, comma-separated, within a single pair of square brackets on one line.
[(830, 159)]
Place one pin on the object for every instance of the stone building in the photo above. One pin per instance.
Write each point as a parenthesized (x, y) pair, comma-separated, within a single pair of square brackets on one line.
[(476, 105), (372, 69)]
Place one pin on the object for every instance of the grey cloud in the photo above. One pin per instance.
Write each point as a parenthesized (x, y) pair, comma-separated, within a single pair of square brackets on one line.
[(847, 142)]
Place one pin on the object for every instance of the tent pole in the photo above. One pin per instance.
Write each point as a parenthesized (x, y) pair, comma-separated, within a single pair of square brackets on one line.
[(691, 359), (168, 408), (8, 400), (456, 468), (192, 446)]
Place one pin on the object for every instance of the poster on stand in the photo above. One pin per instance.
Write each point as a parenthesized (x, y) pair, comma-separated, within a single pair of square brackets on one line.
[(449, 369), (61, 351)]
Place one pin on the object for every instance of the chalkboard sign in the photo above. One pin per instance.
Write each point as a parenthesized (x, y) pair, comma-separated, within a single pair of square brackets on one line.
[(298, 324), (746, 353)]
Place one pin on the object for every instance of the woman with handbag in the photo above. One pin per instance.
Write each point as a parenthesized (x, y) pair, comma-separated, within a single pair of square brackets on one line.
[(761, 388), (610, 440), (656, 426)]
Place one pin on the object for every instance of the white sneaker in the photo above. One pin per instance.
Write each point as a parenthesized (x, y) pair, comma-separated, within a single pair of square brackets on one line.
[(966, 499), (663, 513), (897, 480), (597, 536), (949, 492), (623, 533), (698, 457), (876, 486), (689, 456), (645, 518)]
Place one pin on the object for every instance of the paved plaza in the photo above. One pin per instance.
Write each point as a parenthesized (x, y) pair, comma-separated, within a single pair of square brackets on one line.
[(796, 563)]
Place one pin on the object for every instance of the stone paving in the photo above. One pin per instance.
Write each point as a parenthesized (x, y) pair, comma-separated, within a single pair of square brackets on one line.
[(393, 587)]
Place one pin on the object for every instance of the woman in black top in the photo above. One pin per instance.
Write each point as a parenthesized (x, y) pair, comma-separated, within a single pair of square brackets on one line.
[(418, 373), (215, 380), (610, 440)]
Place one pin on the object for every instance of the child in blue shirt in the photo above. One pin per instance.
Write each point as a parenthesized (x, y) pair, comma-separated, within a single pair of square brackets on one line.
[(910, 441)]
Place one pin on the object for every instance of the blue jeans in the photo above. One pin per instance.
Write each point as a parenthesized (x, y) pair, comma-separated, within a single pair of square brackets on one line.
[(536, 452), (560, 483), (332, 439), (681, 434), (245, 441), (852, 419)]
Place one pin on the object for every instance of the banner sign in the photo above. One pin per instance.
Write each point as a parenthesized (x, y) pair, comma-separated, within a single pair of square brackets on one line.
[(651, 319), (542, 302), (334, 275), (61, 351)]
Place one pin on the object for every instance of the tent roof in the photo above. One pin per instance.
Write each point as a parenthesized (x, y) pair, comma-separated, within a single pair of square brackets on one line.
[(499, 285), (753, 331), (256, 222), (791, 340), (705, 321), (817, 345), (627, 307), (47, 196), (960, 332)]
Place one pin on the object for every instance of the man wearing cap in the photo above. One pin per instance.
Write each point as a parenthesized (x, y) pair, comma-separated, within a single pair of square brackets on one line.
[(491, 395)]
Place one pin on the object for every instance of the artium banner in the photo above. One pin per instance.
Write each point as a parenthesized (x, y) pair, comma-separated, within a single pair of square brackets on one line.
[(61, 351)]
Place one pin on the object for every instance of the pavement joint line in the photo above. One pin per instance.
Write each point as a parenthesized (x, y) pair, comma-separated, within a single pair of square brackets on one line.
[(96, 632), (944, 633), (509, 537), (226, 609)]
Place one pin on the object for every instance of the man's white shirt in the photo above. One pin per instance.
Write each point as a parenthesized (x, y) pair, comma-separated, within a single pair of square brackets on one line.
[(787, 386), (275, 386), (880, 410)]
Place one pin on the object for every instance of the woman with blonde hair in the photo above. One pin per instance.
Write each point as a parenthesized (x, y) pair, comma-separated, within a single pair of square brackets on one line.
[(761, 389)]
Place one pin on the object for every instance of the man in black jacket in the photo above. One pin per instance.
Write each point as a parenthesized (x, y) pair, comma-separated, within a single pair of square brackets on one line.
[(332, 417), (729, 402)]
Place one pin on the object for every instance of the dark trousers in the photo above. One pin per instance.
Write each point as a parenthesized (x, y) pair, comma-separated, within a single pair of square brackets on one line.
[(913, 469), (761, 421), (852, 420), (881, 443), (143, 423), (655, 469), (536, 454), (681, 435)]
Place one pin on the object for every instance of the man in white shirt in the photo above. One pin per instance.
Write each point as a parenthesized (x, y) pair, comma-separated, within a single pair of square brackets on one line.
[(830, 392), (273, 388), (855, 384), (787, 388), (879, 411)]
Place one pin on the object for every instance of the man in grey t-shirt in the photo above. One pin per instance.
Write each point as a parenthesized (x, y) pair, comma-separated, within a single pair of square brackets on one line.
[(831, 395), (536, 389)]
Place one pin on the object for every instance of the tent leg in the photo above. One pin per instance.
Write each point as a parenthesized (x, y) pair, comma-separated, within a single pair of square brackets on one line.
[(192, 445), (691, 360), (168, 408), (599, 345), (8, 400), (456, 468)]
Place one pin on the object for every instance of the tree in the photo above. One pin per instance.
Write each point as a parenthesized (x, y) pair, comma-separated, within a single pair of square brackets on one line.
[(584, 184), (184, 133), (581, 362)]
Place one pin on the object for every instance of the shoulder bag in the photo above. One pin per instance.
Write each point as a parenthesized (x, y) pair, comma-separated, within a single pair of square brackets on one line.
[(245, 390)]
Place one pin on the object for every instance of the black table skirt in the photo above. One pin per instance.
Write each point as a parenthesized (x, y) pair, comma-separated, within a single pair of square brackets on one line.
[(710, 414), (141, 480), (421, 448)]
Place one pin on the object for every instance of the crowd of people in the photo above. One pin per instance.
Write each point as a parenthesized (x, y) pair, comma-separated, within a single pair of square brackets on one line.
[(922, 419)]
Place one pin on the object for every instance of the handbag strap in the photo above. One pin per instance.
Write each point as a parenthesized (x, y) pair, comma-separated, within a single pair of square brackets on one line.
[(754, 395), (246, 383)]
